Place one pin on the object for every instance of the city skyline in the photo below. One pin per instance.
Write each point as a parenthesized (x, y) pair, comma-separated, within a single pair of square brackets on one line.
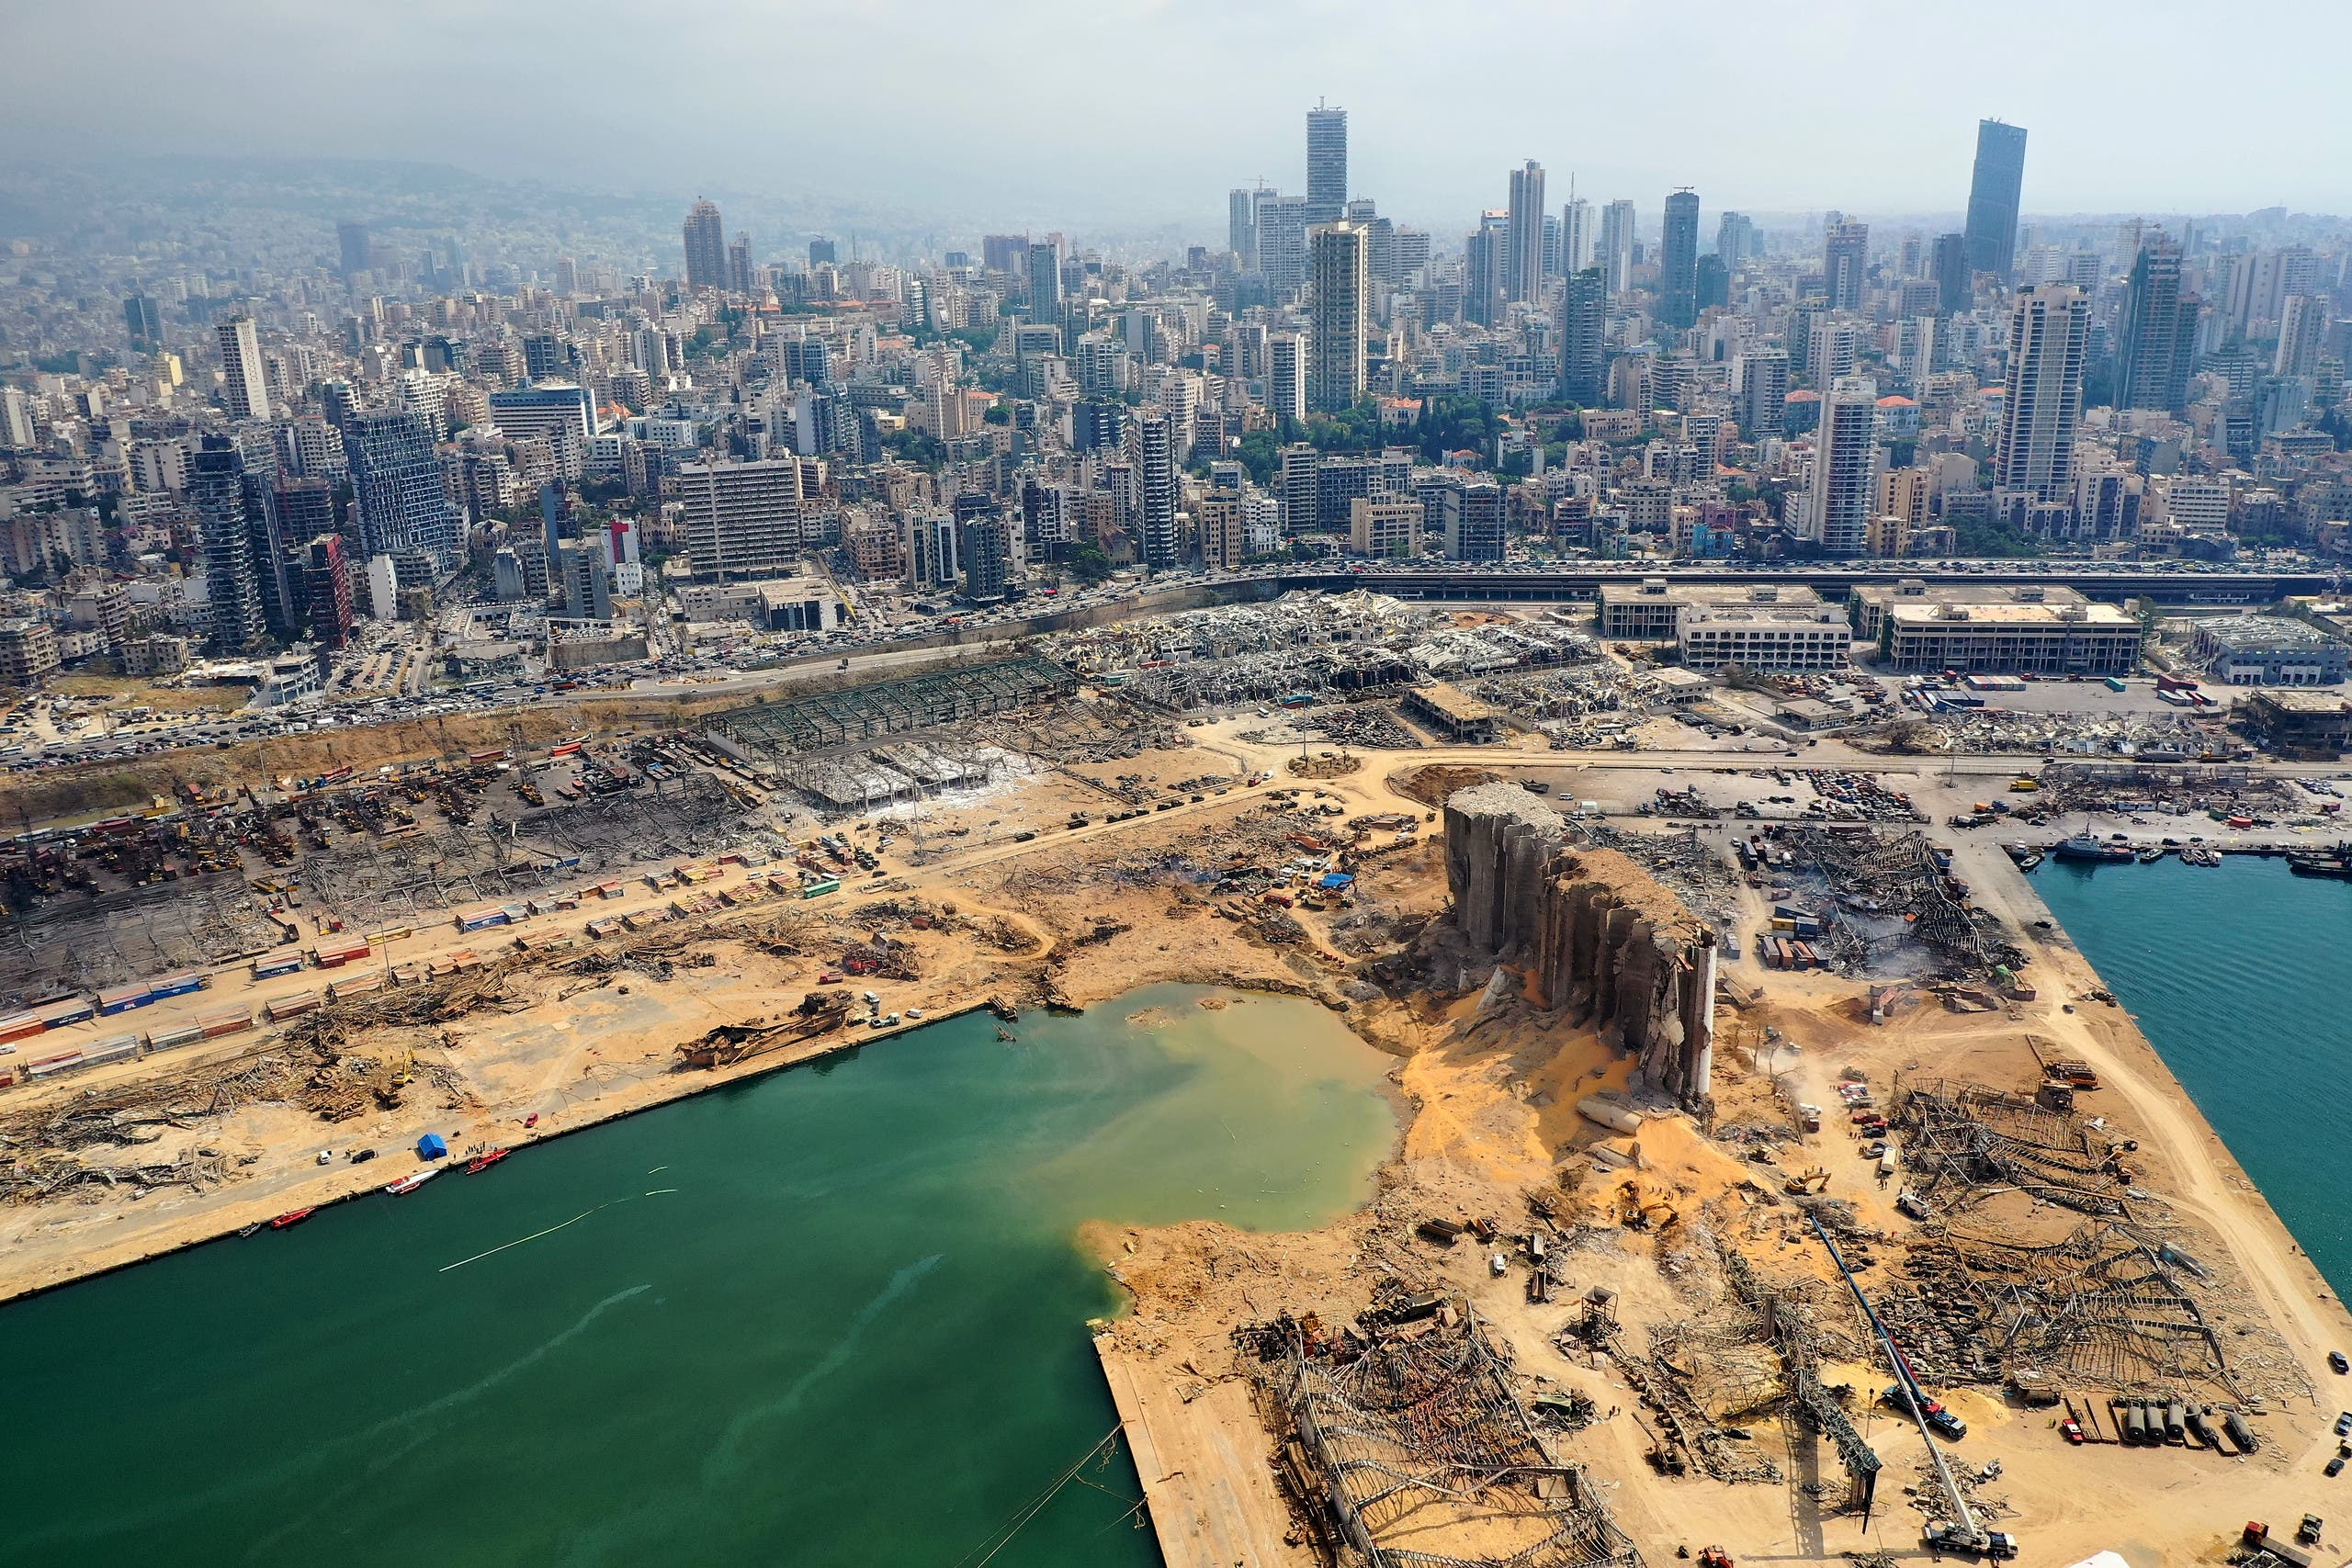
[(1871, 147)]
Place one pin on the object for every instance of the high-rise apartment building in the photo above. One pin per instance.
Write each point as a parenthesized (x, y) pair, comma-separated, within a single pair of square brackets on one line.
[(2302, 332), (358, 252), (1523, 250), (1617, 245), (1576, 236), (1471, 513), (738, 264), (244, 388), (1760, 381), (1242, 228), (404, 510), (326, 592), (1327, 164), (2158, 341), (2050, 328), (1993, 193), (1286, 377), (1044, 280), (1955, 279), (1735, 239), (706, 247), (143, 322), (1679, 261), (1837, 514), (224, 532), (1339, 280), (1152, 448), (1583, 347), (1845, 251)]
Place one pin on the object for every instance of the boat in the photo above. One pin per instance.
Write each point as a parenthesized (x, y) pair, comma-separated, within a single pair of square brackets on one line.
[(2084, 848), (2335, 863), (2029, 861), (251, 1228), (292, 1217), (1005, 1034), (2151, 855), (413, 1181), (484, 1160)]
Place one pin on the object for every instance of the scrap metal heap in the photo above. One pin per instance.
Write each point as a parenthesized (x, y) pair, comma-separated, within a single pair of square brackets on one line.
[(1958, 1138), (1896, 876), (197, 922), (1423, 1452), (2102, 1307), (1791, 1324)]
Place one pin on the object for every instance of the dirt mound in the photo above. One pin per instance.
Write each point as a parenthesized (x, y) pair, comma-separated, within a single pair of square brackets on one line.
[(1432, 784)]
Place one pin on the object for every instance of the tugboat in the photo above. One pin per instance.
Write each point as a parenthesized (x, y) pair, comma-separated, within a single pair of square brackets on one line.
[(484, 1160), (2082, 847)]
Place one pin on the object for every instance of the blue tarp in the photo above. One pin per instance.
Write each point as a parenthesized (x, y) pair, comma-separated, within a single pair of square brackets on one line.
[(1336, 879), (431, 1147)]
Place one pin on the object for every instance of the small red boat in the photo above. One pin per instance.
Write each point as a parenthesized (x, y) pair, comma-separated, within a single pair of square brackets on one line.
[(484, 1160), (294, 1217)]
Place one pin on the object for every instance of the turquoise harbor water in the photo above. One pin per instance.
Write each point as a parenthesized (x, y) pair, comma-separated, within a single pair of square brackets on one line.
[(2238, 977), (832, 1317)]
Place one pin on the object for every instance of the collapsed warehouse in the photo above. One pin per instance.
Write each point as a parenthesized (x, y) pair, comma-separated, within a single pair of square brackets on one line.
[(199, 922), (1426, 1459), (856, 747)]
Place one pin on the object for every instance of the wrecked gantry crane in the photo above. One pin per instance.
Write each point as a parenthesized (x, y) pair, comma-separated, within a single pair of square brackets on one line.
[(1597, 935), (1428, 1460)]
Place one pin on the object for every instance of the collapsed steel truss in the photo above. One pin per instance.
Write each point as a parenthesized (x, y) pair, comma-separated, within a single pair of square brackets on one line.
[(1420, 1436), (1972, 1136)]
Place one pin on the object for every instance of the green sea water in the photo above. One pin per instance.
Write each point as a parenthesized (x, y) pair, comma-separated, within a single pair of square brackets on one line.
[(2237, 976), (831, 1316)]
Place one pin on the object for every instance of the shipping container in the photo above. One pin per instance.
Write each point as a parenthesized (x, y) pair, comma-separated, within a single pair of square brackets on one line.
[(76, 1012), (122, 998), (271, 968), (389, 933), (818, 889), (121, 1048), (358, 986), (178, 1034), (177, 984), (21, 1025), (225, 1021), (50, 1066), (283, 1008), (2115, 683)]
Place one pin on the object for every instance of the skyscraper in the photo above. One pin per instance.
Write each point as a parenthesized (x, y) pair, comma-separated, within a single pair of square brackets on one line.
[(1955, 279), (1584, 349), (706, 247), (1616, 256), (351, 239), (1044, 280), (1735, 239), (1679, 261), (2158, 342), (404, 511), (2050, 330), (1483, 256), (1993, 193), (145, 324), (1576, 236), (738, 264), (243, 389), (1242, 228), (1153, 446), (1338, 269), (1327, 164), (1845, 250), (1523, 250), (2302, 331), (1837, 502), (232, 588), (824, 252)]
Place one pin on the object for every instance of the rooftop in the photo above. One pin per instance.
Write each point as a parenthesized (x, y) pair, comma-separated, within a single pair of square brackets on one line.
[(1929, 613)]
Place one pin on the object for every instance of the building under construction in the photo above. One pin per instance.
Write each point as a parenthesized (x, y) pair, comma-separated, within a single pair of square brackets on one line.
[(1427, 1459)]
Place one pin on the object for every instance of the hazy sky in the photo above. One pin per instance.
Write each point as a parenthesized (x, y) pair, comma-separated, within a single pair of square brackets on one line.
[(1126, 111)]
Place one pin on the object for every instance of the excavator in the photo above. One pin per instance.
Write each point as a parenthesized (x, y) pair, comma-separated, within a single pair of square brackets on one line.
[(1807, 1182), (1636, 1213)]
